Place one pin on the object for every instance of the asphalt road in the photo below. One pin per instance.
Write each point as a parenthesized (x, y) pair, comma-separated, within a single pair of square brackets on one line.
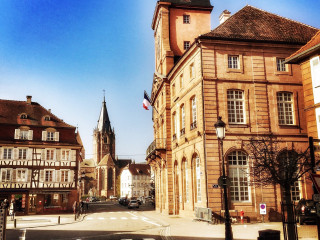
[(105, 220)]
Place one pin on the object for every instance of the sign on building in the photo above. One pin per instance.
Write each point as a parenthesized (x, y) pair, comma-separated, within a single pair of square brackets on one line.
[(263, 208)]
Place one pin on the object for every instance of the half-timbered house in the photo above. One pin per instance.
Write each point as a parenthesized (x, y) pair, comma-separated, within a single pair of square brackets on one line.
[(39, 158)]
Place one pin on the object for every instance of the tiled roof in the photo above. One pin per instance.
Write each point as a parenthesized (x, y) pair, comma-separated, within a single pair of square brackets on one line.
[(313, 43), (191, 3), (139, 169), (104, 161), (121, 163), (10, 113), (253, 24)]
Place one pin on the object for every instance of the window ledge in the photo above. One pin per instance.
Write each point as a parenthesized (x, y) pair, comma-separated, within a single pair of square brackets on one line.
[(234, 70), (240, 125), (288, 126), (282, 73)]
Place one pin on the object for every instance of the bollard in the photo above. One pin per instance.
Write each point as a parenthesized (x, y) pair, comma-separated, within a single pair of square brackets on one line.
[(23, 233), (59, 220), (15, 223)]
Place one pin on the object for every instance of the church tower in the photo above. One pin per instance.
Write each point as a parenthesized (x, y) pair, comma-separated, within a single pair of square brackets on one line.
[(104, 153), (176, 24)]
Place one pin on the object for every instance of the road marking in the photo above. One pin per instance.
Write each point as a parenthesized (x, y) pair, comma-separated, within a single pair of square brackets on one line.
[(134, 218), (124, 218), (101, 218), (113, 218), (89, 218)]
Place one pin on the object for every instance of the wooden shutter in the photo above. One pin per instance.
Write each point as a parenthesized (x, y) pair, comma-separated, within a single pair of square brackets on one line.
[(41, 176), (15, 153), (56, 136), (58, 154), (71, 176), (43, 154), (29, 154), (30, 134), (58, 174), (17, 134), (14, 175), (44, 135), (73, 155), (29, 172), (54, 154)]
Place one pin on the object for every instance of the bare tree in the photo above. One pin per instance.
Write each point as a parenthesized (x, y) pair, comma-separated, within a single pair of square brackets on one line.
[(276, 163)]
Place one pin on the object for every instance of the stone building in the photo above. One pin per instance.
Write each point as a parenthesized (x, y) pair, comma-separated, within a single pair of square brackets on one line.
[(236, 71), (39, 158)]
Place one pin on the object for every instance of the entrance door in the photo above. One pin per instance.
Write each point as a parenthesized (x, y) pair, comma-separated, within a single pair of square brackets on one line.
[(32, 203)]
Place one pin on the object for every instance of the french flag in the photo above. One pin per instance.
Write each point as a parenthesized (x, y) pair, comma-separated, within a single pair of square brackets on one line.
[(146, 101)]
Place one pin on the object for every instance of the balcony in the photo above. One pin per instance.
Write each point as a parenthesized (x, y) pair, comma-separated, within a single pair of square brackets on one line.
[(174, 137), (182, 132), (157, 145), (193, 125)]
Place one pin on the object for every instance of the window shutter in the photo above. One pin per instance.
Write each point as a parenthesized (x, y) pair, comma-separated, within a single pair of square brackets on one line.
[(73, 155), (44, 135), (71, 176), (29, 173), (43, 154), (30, 135), (56, 136), (58, 154), (41, 176), (14, 173), (15, 153), (54, 154), (58, 174), (29, 154), (17, 134)]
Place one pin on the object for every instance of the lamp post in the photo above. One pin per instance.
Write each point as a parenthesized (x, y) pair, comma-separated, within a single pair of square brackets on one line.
[(220, 131)]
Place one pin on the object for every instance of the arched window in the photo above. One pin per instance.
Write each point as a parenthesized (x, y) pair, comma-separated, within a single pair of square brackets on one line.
[(193, 113), (238, 173), (197, 179), (110, 179)]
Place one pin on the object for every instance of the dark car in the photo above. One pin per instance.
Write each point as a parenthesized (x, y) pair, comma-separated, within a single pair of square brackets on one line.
[(123, 201), (306, 211)]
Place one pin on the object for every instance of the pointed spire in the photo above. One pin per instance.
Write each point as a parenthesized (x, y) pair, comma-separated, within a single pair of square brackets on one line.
[(104, 122)]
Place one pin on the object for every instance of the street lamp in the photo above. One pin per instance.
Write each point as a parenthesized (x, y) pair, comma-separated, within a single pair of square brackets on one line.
[(221, 133)]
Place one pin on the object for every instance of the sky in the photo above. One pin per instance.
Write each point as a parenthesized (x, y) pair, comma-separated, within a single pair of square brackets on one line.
[(66, 52)]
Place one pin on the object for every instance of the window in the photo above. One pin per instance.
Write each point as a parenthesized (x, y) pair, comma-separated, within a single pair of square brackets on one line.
[(50, 136), (48, 175), (49, 154), (64, 175), (22, 154), (23, 116), (238, 173), (193, 113), (23, 134), (47, 118), (233, 62), (192, 73), (295, 191), (182, 121), (198, 180), (174, 123), (235, 106), (285, 108), (173, 89), (65, 154), (6, 175), (186, 19), (186, 45), (181, 81), (281, 67), (315, 74), (21, 175), (7, 153)]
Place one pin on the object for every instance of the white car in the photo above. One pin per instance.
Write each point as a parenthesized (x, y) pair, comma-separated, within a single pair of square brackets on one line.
[(113, 198), (133, 204)]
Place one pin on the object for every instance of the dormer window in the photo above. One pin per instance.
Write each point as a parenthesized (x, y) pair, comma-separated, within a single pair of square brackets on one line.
[(50, 134), (23, 133), (23, 116), (47, 118), (186, 19)]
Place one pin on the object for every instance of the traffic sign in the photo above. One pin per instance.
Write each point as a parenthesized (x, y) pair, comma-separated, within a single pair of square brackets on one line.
[(263, 208), (220, 181), (316, 181)]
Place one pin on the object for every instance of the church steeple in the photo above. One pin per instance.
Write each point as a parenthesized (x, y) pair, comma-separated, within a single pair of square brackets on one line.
[(104, 122)]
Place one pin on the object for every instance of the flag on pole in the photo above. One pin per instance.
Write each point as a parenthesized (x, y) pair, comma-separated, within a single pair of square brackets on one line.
[(146, 101)]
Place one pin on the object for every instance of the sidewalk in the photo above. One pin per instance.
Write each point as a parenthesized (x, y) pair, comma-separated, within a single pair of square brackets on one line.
[(32, 221), (186, 228)]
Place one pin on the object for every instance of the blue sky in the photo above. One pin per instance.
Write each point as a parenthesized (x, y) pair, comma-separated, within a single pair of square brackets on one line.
[(65, 52)]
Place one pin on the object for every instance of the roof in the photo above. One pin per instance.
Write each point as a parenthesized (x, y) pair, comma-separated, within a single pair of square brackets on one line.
[(253, 24), (104, 122), (190, 3), (10, 113), (139, 169), (104, 161), (121, 163), (309, 48)]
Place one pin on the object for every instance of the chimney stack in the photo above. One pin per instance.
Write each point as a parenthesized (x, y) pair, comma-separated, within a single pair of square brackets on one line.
[(29, 99), (224, 16)]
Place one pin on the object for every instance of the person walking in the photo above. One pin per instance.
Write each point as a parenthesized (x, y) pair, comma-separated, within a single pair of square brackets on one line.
[(12, 209), (74, 207)]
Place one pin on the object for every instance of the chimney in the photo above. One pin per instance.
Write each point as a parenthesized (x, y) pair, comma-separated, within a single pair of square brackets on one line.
[(29, 99), (224, 16)]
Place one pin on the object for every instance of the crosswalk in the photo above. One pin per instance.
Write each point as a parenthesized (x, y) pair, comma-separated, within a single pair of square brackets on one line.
[(115, 218)]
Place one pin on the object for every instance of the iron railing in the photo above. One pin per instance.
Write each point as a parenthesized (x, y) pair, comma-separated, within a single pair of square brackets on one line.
[(158, 143)]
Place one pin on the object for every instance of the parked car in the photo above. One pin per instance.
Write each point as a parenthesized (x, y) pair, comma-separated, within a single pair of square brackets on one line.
[(93, 199), (123, 201), (133, 204), (306, 211)]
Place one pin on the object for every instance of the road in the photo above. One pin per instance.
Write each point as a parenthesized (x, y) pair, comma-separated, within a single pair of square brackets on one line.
[(105, 220)]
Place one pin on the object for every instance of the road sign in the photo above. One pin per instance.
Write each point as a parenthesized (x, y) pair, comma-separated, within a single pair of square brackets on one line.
[(316, 197), (263, 208), (316, 181), (220, 181)]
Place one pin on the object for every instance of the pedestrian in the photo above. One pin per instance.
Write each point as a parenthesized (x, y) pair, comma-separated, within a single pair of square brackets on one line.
[(81, 207), (74, 207), (12, 209)]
